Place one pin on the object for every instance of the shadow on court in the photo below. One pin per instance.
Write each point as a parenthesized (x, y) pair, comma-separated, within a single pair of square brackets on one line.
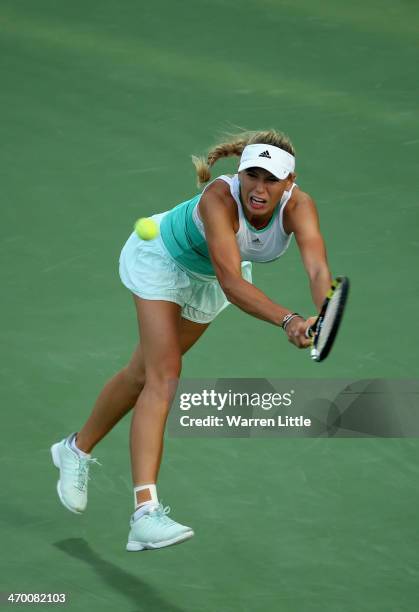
[(142, 595)]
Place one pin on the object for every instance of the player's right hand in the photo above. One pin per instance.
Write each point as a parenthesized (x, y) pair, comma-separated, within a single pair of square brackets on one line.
[(296, 331)]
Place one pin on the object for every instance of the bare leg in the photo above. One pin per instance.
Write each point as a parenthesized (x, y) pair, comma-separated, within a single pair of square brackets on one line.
[(117, 397), (120, 393), (159, 324)]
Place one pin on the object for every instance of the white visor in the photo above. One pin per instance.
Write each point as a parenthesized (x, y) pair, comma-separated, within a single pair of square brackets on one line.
[(273, 159)]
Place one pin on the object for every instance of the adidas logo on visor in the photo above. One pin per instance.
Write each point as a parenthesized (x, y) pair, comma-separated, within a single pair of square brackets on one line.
[(265, 154)]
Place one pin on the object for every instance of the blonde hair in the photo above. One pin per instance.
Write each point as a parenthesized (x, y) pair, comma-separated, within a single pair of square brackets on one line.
[(235, 146)]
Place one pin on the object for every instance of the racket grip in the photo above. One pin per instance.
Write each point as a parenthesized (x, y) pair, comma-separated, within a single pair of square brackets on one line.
[(309, 333)]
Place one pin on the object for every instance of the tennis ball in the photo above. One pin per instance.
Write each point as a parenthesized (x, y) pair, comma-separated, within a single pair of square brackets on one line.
[(146, 229)]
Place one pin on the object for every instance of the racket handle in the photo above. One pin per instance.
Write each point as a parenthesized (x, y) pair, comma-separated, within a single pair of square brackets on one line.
[(314, 354), (309, 333)]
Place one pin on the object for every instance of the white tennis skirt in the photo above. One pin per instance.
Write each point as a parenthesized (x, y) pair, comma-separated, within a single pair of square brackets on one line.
[(147, 270)]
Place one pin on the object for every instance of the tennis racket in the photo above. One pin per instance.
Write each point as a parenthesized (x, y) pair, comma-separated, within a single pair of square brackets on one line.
[(324, 329)]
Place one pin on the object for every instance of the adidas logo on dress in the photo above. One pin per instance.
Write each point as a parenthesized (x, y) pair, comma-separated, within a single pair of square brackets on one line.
[(265, 154)]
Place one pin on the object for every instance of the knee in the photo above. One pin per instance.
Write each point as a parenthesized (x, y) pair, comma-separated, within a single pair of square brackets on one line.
[(168, 369), (135, 377), (163, 377)]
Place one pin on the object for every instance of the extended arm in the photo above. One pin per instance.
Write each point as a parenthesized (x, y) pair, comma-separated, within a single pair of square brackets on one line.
[(303, 220), (225, 257)]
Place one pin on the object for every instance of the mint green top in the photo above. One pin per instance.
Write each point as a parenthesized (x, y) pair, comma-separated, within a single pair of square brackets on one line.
[(183, 233), (184, 241)]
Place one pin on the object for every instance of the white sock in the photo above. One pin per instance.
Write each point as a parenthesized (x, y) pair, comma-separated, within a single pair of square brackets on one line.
[(144, 507), (73, 446)]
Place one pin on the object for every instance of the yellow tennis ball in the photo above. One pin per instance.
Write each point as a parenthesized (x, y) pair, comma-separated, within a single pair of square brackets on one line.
[(146, 229)]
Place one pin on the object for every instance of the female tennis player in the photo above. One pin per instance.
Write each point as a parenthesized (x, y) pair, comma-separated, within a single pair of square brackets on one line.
[(199, 263)]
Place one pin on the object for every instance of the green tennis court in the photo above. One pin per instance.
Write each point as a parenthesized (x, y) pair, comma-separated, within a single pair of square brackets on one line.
[(102, 104)]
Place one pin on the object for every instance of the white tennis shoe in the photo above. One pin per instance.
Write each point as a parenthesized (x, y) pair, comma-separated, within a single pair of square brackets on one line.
[(155, 529), (74, 475)]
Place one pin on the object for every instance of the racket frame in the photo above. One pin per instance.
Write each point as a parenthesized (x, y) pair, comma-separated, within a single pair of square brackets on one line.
[(315, 329)]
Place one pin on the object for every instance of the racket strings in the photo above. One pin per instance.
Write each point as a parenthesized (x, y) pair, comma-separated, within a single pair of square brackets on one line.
[(329, 319)]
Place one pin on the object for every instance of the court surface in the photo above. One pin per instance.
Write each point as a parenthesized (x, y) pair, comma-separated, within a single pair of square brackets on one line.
[(102, 105)]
